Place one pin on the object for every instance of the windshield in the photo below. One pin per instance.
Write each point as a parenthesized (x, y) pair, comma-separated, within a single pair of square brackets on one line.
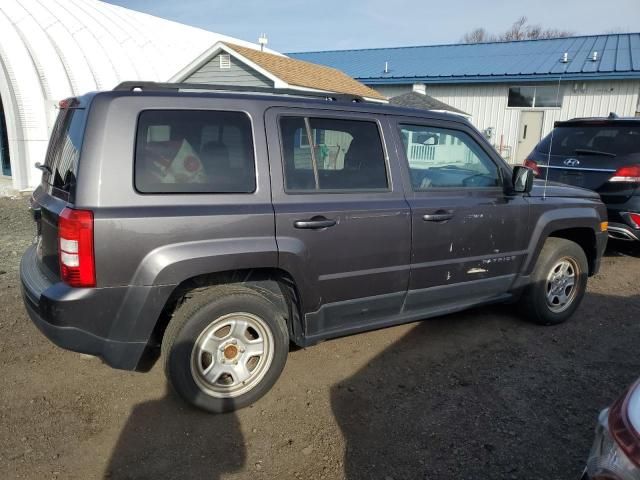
[(608, 139)]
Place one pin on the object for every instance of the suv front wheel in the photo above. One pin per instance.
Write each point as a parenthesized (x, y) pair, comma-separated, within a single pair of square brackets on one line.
[(225, 347), (558, 282)]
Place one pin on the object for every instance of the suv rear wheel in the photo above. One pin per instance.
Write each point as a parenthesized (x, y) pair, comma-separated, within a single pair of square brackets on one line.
[(558, 282), (225, 347)]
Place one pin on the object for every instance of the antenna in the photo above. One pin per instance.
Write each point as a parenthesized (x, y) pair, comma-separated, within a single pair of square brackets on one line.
[(263, 40), (565, 60)]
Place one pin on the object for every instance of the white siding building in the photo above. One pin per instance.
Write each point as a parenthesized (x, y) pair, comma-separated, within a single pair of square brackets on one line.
[(514, 91)]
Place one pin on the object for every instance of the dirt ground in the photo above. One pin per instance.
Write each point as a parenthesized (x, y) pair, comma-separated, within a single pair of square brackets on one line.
[(481, 394)]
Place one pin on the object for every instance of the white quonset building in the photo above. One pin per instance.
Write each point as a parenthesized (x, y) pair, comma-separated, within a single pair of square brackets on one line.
[(514, 91), (54, 49)]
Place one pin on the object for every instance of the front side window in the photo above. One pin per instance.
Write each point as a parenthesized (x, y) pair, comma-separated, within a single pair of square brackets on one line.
[(332, 154), (445, 158), (194, 151)]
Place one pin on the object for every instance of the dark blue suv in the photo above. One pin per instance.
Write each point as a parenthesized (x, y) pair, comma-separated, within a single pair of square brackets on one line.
[(601, 154)]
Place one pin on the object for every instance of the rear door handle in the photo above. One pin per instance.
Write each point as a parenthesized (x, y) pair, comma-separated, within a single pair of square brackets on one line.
[(438, 217), (314, 223)]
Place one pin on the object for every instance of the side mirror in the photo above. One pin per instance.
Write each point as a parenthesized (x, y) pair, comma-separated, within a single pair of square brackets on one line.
[(522, 179), (433, 140)]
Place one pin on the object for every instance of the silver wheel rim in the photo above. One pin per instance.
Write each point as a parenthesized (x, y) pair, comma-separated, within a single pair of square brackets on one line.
[(232, 355), (561, 287)]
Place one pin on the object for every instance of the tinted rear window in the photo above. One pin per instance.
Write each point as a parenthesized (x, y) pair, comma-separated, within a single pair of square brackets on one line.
[(64, 148), (332, 154), (194, 151), (616, 139)]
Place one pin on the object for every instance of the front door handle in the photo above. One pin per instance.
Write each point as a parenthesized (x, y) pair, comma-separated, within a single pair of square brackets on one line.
[(438, 217), (314, 223)]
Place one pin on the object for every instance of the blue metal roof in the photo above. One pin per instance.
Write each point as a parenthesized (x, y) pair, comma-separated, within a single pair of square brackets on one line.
[(618, 57)]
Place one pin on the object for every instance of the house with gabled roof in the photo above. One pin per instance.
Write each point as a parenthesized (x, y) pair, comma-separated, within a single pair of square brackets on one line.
[(227, 63)]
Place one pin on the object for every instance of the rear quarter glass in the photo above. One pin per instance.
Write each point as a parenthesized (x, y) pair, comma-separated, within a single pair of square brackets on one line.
[(194, 151), (63, 153)]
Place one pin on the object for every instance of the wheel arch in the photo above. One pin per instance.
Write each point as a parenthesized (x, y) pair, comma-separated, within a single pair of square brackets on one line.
[(583, 236), (577, 224), (276, 283)]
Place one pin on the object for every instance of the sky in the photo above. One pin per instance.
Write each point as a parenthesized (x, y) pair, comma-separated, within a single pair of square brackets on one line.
[(294, 25)]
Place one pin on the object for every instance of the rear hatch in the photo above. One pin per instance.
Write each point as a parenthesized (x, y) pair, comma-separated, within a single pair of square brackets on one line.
[(57, 187), (589, 153)]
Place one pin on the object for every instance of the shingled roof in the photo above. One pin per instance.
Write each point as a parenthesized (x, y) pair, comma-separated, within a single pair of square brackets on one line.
[(422, 101), (287, 72)]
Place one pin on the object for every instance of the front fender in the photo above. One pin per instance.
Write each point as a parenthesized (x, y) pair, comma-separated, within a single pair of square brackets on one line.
[(559, 219)]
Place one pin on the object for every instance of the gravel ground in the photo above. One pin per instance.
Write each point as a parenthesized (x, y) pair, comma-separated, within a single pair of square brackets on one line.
[(475, 395)]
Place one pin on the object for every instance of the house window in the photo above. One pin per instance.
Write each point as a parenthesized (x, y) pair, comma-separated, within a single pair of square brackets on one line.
[(303, 141), (548, 97), (225, 61), (535, 97)]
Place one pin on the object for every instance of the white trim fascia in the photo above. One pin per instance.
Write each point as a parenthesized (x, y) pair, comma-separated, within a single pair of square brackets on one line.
[(452, 112)]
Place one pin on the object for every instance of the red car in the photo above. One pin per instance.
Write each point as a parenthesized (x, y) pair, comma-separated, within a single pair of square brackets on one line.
[(615, 454)]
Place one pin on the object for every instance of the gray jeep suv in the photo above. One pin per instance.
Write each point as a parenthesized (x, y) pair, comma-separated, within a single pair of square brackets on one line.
[(214, 228)]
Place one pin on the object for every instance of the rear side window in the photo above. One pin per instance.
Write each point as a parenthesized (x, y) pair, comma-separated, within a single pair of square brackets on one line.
[(64, 148), (332, 154), (194, 151), (576, 139)]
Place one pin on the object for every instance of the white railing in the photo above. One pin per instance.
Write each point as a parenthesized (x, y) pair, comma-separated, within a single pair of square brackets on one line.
[(419, 151), (440, 154)]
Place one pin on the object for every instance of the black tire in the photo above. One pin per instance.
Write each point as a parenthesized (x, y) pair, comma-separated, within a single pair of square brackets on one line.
[(534, 302), (194, 318)]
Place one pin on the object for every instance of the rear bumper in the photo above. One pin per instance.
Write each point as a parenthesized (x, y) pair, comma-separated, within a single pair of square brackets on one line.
[(620, 226), (115, 323), (122, 355), (621, 231)]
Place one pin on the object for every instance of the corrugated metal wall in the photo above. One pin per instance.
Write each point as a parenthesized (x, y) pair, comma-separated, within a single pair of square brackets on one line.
[(487, 104)]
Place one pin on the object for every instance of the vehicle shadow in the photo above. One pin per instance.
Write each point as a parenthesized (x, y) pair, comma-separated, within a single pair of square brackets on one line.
[(616, 248), (458, 397), (168, 439)]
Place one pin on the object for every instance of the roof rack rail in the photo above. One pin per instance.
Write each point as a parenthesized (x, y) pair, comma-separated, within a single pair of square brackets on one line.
[(132, 86)]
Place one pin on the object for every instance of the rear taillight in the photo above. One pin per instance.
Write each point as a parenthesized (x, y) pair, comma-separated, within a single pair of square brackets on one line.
[(624, 423), (68, 103), (634, 219), (630, 173), (533, 166), (75, 248)]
